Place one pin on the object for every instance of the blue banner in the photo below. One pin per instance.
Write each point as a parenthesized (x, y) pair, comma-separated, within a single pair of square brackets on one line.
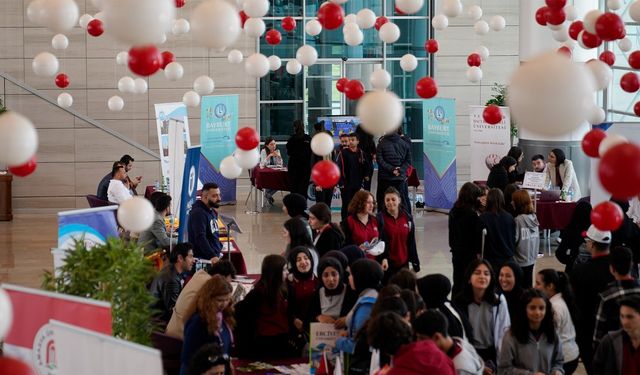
[(218, 127), (93, 226), (190, 186), (440, 180)]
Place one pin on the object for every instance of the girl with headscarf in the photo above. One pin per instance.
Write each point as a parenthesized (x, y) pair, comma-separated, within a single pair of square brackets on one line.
[(434, 290), (510, 282), (334, 299), (302, 284)]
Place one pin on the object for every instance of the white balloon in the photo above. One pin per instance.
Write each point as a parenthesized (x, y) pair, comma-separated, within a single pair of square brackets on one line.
[(570, 43), (65, 100), (547, 95), (203, 85), (609, 141), (322, 144), (474, 74), (354, 38), (380, 112), (408, 63), (350, 18), (84, 20), (349, 28), (59, 15), (274, 62), (126, 84), (139, 22), (634, 11), (440, 22), (136, 214), (256, 8), (35, 11), (307, 55), (313, 27), (122, 58), (247, 159), (45, 64), (380, 79), (229, 168), (6, 311), (561, 35), (554, 27), (366, 18), (602, 73), (181, 26), (115, 103), (481, 27), (590, 19), (173, 71), (163, 38), (615, 4), (140, 85), (580, 42), (254, 27), (409, 6), (257, 65), (215, 24), (235, 56), (474, 12), (571, 13), (497, 23), (389, 32), (293, 67), (483, 52), (452, 8), (18, 138), (99, 16), (596, 115), (191, 99), (60, 41), (625, 45)]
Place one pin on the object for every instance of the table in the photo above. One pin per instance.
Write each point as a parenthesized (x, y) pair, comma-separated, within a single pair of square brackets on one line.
[(270, 178), (236, 257), (554, 215), (413, 179), (277, 362)]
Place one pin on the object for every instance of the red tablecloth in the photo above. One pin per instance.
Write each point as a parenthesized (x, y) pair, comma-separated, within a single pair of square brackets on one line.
[(150, 189), (413, 179), (237, 259), (554, 215), (280, 362), (269, 178)]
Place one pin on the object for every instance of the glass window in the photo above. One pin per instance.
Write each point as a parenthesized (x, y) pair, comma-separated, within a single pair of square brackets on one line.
[(290, 41), (285, 8), (619, 99), (413, 36), (403, 83), (330, 44), (412, 123), (417, 158), (280, 85), (276, 119), (351, 6)]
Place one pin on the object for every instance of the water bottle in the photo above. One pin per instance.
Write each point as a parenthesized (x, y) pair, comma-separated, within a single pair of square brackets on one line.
[(156, 185), (570, 195)]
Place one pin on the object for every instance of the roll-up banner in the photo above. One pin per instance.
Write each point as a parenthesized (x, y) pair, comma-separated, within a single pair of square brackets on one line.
[(489, 143)]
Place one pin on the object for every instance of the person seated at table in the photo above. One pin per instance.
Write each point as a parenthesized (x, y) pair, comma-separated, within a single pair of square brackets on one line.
[(518, 174), (212, 320), (166, 287), (538, 164), (103, 186), (156, 236), (118, 192), (361, 226), (270, 157), (560, 175), (210, 360), (327, 235), (302, 284), (264, 326), (571, 238), (501, 174), (334, 299)]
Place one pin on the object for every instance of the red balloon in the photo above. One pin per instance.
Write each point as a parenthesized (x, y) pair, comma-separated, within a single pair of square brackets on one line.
[(541, 16), (95, 27), (607, 216), (145, 61), (474, 59), (15, 366), (381, 21), (575, 28), (591, 40), (634, 60), (341, 83), (629, 82), (591, 142), (331, 16), (636, 109), (619, 170), (398, 11), (608, 57), (288, 24), (167, 58), (565, 51), (492, 114), (609, 27), (180, 3), (243, 18), (273, 37), (555, 16), (325, 173), (431, 46), (62, 80), (25, 169), (427, 88), (247, 138), (556, 4), (354, 89)]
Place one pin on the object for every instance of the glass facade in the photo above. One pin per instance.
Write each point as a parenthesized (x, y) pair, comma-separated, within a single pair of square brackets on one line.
[(312, 93)]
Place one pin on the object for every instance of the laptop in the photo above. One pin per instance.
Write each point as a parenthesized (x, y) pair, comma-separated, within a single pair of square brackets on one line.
[(550, 195)]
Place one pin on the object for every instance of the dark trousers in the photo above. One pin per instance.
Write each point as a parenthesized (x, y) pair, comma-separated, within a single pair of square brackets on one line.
[(527, 276), (570, 367), (324, 196), (585, 344), (400, 185), (299, 183), (346, 195), (459, 268)]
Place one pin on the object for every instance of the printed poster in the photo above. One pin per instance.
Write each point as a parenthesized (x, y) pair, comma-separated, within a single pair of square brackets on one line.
[(169, 116), (190, 186), (440, 174), (322, 339), (489, 143)]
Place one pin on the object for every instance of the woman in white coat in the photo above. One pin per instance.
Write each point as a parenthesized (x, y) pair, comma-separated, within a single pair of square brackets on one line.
[(561, 175)]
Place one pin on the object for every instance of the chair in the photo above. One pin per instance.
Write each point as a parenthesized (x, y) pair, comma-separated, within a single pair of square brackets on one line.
[(171, 349), (94, 201)]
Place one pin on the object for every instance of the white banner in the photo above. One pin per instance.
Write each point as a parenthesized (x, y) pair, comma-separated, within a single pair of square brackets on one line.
[(489, 143), (168, 115)]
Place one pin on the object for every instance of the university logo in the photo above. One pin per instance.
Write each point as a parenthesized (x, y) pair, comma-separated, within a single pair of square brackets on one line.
[(220, 110), (44, 351), (439, 113)]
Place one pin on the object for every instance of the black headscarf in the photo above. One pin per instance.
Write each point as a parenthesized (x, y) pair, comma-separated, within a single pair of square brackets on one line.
[(434, 290), (341, 258), (296, 205), (367, 274), (335, 264), (353, 253), (293, 254), (513, 296)]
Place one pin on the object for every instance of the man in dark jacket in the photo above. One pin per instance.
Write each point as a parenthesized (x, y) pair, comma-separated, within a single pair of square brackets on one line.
[(394, 158), (618, 350), (167, 285), (353, 170), (202, 228), (299, 165)]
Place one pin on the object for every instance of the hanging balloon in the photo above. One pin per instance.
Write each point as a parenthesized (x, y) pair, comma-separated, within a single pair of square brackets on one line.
[(354, 89), (216, 24), (629, 82), (497, 23), (180, 3), (636, 108), (247, 138), (492, 114), (590, 20), (174, 71), (136, 214), (389, 32), (139, 22), (331, 16), (254, 27), (341, 83), (203, 85), (15, 366), (288, 24), (181, 26), (247, 159), (140, 86), (307, 55), (610, 26), (426, 88), (365, 18), (45, 64), (474, 60), (634, 11), (555, 17), (589, 40), (541, 16), (62, 80), (608, 57), (380, 79), (256, 8), (243, 18), (122, 58), (325, 174), (115, 103), (145, 60), (350, 18), (556, 4), (634, 60), (565, 51), (59, 15), (353, 37), (65, 100), (625, 44), (408, 63), (257, 65), (575, 28), (601, 72), (474, 74), (273, 37), (409, 6), (84, 20), (609, 142), (615, 4), (452, 8), (126, 85), (229, 168), (191, 99), (483, 52), (595, 115), (274, 63), (293, 67), (167, 58), (474, 12), (25, 169), (607, 216), (313, 28), (380, 112), (431, 46), (60, 42), (322, 144), (481, 27), (95, 28), (591, 142), (380, 21), (18, 138), (235, 56)]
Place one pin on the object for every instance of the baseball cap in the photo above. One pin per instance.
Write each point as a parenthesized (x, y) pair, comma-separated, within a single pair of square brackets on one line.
[(598, 235)]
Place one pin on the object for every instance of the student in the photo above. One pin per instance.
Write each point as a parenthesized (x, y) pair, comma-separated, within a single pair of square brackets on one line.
[(353, 172), (502, 174), (556, 287), (405, 279), (527, 235), (537, 163), (361, 226), (559, 174), (516, 153), (322, 195), (299, 166), (500, 242), (344, 141), (327, 235), (434, 290), (432, 325), (368, 146), (270, 157), (296, 233), (531, 344), (210, 360), (393, 155), (302, 284), (487, 312), (211, 322), (334, 299), (166, 286), (510, 282)]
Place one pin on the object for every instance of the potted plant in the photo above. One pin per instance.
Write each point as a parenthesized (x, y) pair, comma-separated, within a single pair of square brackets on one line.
[(116, 272), (499, 98)]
